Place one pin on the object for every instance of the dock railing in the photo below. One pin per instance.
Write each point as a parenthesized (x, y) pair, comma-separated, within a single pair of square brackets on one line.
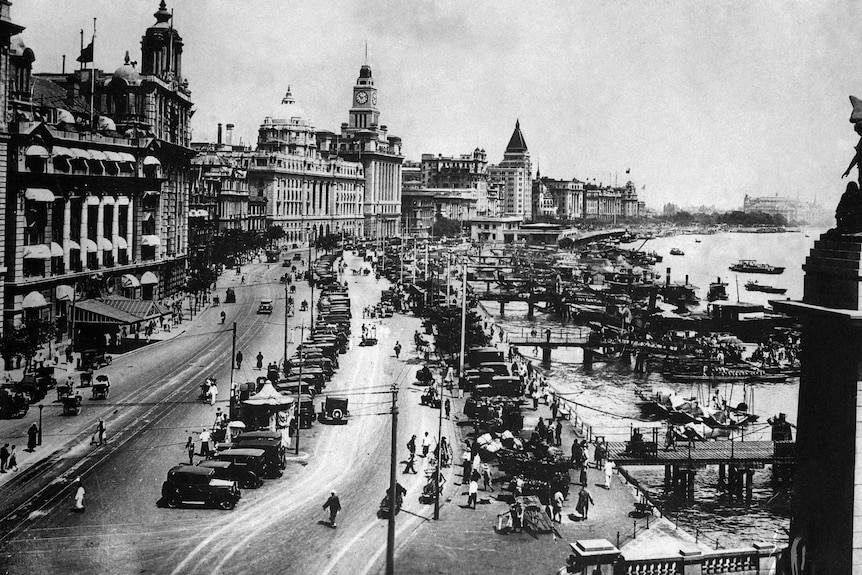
[(759, 559), (563, 336)]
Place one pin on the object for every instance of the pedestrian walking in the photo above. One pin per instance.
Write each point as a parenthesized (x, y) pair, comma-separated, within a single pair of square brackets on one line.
[(190, 449), (4, 457), (517, 514), (100, 431), (426, 445), (212, 392), (411, 446), (486, 478), (334, 505), (239, 360), (397, 349), (473, 490), (32, 436), (536, 400), (558, 507), (585, 499), (79, 496), (13, 460), (448, 406), (554, 408), (205, 443), (558, 434), (408, 468), (582, 478), (259, 360), (467, 463), (609, 473)]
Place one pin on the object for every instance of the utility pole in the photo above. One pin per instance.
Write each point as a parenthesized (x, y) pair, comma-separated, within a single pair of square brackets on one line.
[(463, 325), (439, 453), (393, 486), (427, 277), (299, 394), (448, 277), (232, 360), (286, 329)]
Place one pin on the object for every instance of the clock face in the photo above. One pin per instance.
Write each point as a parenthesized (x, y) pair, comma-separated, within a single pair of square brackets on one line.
[(374, 98), (361, 97)]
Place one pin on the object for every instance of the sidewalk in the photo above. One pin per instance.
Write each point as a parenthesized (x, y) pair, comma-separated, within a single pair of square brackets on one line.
[(465, 540)]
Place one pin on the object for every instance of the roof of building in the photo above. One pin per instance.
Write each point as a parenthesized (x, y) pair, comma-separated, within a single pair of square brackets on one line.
[(289, 110), (516, 142), (51, 95)]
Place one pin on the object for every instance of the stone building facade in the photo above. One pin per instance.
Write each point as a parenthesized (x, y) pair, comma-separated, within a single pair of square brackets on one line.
[(514, 175)]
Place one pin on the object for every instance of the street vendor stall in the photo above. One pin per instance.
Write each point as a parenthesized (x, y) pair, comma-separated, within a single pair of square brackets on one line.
[(535, 518), (262, 409)]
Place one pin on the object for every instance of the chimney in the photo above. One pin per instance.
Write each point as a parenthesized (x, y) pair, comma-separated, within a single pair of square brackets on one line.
[(229, 134), (218, 140)]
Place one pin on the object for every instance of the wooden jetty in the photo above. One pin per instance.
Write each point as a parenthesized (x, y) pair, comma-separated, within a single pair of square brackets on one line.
[(736, 460)]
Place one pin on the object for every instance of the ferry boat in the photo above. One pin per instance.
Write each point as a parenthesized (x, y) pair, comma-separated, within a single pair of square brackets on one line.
[(753, 267), (717, 291), (754, 286), (676, 252)]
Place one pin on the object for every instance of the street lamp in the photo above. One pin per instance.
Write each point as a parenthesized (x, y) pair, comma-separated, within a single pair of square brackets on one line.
[(310, 281)]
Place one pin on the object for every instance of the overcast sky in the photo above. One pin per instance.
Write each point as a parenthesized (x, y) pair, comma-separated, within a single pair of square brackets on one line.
[(704, 102)]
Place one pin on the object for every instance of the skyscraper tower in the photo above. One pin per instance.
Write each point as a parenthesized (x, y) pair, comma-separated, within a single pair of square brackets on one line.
[(515, 175)]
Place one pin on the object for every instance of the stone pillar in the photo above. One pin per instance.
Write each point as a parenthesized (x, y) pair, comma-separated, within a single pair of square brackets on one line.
[(115, 232), (100, 232), (130, 231), (67, 233), (826, 513), (594, 556), (85, 216)]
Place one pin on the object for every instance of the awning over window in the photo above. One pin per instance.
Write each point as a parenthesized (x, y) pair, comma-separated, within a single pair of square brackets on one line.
[(37, 151), (123, 201), (97, 155), (37, 252), (130, 281), (73, 245), (151, 193), (113, 156), (93, 200), (127, 157), (149, 278), (56, 250), (147, 216), (64, 293), (62, 152), (152, 161), (33, 299), (90, 246), (108, 200), (121, 243), (198, 213), (150, 240), (105, 244), (39, 195)]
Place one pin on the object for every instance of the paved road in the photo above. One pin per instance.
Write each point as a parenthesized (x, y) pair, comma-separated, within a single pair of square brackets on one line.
[(275, 528)]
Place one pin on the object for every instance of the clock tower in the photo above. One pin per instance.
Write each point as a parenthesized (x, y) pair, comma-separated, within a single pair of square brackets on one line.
[(363, 111)]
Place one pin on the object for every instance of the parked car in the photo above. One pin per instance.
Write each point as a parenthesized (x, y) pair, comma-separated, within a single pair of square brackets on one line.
[(334, 410), (192, 484), (245, 466), (274, 453), (94, 359)]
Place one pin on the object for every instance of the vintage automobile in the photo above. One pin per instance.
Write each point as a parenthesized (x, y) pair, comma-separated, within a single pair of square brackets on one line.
[(94, 359), (230, 296), (334, 410), (13, 404), (192, 484), (101, 387), (245, 466), (272, 446), (72, 404), (265, 306)]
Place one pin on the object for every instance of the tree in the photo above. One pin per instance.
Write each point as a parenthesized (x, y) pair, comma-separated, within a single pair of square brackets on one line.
[(445, 227), (327, 241), (25, 339), (448, 323), (273, 234), (567, 243)]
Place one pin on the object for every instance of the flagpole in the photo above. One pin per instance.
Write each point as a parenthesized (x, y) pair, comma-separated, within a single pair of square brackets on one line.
[(81, 67), (93, 77)]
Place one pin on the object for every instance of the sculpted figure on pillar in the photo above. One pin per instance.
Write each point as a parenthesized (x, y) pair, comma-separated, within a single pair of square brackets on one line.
[(848, 214)]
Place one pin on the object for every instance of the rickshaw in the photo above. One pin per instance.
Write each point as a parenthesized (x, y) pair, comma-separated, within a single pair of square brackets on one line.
[(87, 378), (101, 387), (63, 390), (72, 404), (385, 507)]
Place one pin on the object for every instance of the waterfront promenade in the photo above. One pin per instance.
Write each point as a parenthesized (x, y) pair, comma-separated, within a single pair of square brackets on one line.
[(465, 540)]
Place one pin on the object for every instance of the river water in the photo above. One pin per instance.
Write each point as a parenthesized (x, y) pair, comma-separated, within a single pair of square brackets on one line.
[(608, 395)]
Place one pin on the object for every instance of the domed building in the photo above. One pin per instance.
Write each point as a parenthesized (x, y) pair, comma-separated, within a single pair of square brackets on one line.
[(310, 191)]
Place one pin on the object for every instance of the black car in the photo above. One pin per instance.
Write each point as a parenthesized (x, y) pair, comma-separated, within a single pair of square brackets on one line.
[(191, 484), (273, 453), (246, 475)]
